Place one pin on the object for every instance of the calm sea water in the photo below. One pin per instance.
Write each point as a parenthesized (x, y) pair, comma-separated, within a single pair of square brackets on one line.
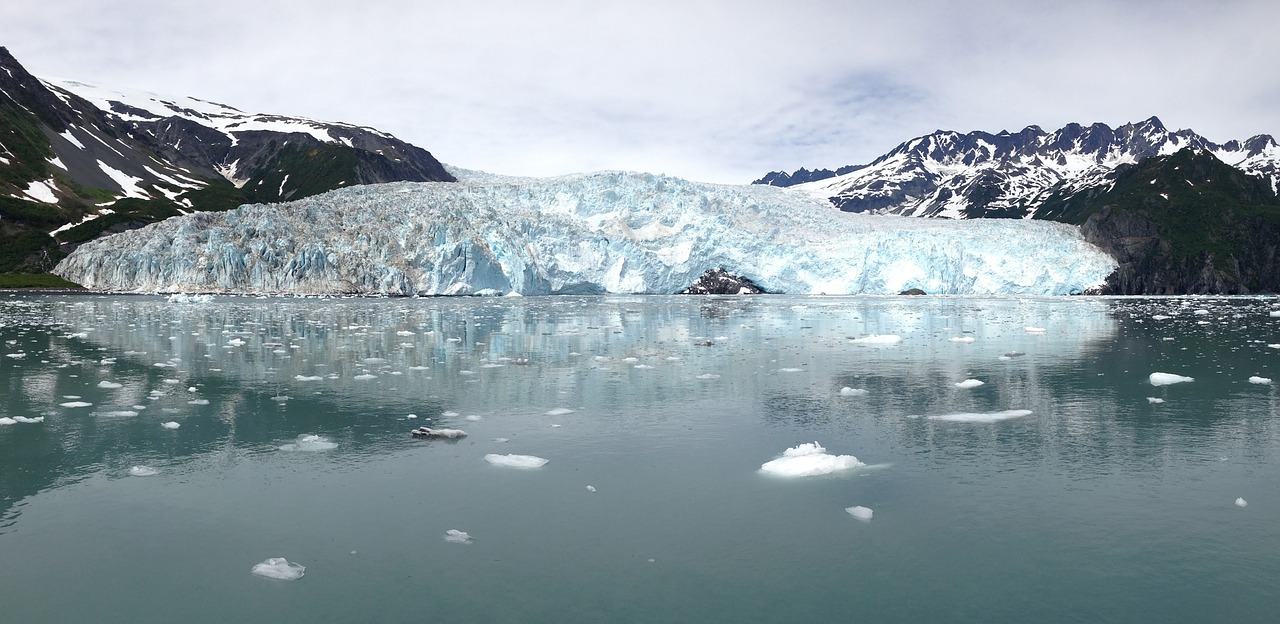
[(1097, 506)]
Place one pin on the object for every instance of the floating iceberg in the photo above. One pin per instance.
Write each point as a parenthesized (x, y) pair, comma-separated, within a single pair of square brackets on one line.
[(170, 425), (860, 512), (609, 232), (516, 461), (847, 391), (75, 404), (983, 417), (1259, 380), (309, 443), (1165, 379), (1241, 502), (457, 537), (279, 568), (808, 460), (969, 383), (109, 385), (5, 420), (143, 471)]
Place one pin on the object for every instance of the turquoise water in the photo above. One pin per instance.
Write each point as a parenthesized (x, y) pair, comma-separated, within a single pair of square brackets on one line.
[(1098, 506)]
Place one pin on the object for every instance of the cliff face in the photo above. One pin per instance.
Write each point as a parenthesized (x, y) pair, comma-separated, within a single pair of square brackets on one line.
[(1185, 224)]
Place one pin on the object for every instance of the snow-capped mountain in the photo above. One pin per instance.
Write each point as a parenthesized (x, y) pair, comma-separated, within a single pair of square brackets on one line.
[(954, 175), (77, 161), (594, 233)]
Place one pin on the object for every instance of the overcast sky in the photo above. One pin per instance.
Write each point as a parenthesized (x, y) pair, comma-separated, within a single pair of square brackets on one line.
[(706, 90)]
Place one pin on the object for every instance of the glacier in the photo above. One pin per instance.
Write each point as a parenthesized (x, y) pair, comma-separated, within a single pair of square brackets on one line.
[(606, 232)]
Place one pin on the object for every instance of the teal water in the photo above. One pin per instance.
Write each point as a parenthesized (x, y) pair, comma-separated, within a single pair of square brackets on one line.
[(1098, 506)]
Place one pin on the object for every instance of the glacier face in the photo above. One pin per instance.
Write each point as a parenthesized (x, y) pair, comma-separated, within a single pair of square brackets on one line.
[(607, 232)]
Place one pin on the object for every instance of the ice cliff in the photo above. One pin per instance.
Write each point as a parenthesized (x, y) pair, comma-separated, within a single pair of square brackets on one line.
[(592, 233)]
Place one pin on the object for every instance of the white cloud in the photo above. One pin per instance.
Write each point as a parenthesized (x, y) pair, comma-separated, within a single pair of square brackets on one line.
[(719, 91)]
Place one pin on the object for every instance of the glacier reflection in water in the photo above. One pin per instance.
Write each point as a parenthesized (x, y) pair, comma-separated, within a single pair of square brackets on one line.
[(1065, 487)]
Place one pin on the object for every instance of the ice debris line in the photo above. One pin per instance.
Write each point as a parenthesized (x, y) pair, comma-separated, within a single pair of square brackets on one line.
[(609, 232), (808, 460)]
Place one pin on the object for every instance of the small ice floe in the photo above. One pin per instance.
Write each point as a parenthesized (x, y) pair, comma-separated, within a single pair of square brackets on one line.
[(5, 420), (308, 377), (109, 385), (116, 413), (847, 391), (983, 417), (198, 402), (1274, 314), (309, 443), (516, 461), (446, 434), (236, 342), (969, 383), (24, 419), (591, 488), (1154, 400), (790, 370), (374, 360), (473, 418), (75, 404), (1274, 346), (1034, 330), (412, 416), (808, 460), (279, 568), (454, 536), (364, 376), (1240, 502), (860, 512), (501, 440), (170, 425), (877, 340), (143, 471), (1165, 379), (281, 398), (449, 414), (706, 376), (1259, 380), (961, 339), (559, 411)]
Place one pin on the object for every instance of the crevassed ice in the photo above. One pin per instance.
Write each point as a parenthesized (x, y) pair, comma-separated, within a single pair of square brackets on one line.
[(606, 232)]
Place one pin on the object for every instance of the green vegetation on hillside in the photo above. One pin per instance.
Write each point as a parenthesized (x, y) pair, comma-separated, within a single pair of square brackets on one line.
[(42, 280)]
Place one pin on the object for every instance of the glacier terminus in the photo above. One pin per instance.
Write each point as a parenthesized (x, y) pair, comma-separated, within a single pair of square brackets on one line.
[(608, 232)]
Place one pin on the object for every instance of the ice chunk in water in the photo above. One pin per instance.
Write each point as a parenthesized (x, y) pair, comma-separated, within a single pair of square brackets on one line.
[(1240, 502), (170, 425), (198, 402), (116, 413), (447, 434), (1154, 400), (1274, 314), (1165, 379), (143, 471), (75, 404), (1034, 330), (559, 411), (309, 443), (705, 376), (961, 339), (983, 417), (279, 568), (1259, 380), (860, 512), (473, 418), (24, 419), (457, 537), (969, 383), (847, 391), (449, 414), (109, 385), (515, 461), (808, 460), (308, 377), (5, 420), (591, 488), (364, 376), (877, 339)]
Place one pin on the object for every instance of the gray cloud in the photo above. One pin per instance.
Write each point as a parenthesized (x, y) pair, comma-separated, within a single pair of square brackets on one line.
[(721, 91)]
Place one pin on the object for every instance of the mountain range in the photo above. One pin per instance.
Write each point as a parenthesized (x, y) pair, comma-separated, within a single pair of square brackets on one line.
[(1012, 175), (77, 161)]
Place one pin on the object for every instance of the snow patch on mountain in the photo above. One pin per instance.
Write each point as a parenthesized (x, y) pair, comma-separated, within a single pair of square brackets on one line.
[(606, 232)]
